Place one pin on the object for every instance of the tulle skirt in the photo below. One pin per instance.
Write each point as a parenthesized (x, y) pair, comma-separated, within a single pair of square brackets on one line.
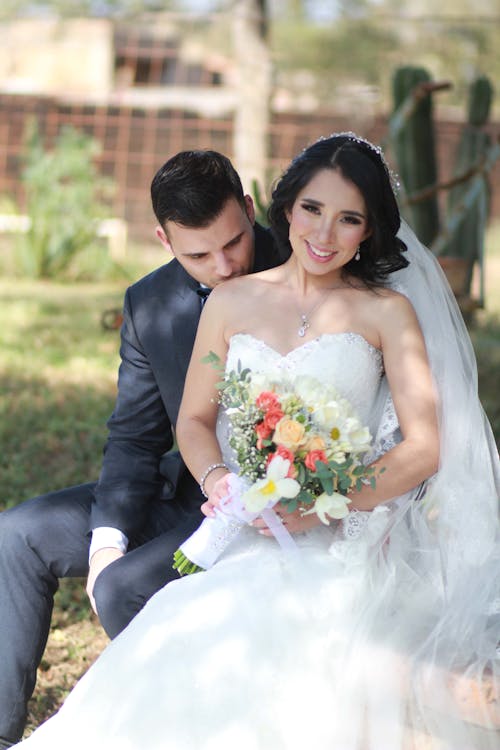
[(320, 649)]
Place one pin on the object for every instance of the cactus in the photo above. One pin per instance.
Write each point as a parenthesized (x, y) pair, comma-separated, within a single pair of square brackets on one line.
[(468, 238), (415, 152), (260, 204), (480, 100)]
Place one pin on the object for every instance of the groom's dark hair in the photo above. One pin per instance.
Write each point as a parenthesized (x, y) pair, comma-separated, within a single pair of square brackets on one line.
[(193, 187)]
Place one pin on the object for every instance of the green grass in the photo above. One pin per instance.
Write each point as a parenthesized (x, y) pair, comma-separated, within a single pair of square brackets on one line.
[(58, 383), (57, 389)]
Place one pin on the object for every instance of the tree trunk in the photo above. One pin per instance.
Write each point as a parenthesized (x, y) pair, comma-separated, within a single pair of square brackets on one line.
[(253, 83)]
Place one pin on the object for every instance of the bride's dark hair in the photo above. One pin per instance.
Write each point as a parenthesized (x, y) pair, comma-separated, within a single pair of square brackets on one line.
[(363, 164)]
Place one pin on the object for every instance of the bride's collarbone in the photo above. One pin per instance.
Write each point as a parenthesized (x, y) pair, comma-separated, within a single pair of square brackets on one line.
[(285, 324)]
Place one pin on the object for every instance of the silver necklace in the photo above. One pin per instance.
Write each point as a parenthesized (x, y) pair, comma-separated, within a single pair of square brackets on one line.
[(305, 317)]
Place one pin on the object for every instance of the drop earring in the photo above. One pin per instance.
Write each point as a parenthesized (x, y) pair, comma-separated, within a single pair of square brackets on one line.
[(358, 255)]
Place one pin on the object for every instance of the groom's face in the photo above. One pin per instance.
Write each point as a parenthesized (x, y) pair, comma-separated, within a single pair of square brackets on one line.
[(220, 251)]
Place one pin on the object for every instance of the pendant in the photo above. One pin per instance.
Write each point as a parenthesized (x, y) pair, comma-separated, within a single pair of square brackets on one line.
[(303, 328)]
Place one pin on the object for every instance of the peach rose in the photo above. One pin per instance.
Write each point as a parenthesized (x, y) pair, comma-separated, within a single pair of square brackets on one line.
[(289, 433), (316, 443)]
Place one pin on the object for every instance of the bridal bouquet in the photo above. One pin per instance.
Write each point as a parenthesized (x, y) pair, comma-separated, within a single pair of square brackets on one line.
[(297, 442)]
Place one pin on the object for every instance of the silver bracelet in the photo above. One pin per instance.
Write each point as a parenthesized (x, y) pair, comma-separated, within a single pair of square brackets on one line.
[(205, 474)]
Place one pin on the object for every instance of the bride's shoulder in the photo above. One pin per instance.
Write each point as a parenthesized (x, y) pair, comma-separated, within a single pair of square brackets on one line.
[(394, 314), (389, 299), (387, 307), (241, 287)]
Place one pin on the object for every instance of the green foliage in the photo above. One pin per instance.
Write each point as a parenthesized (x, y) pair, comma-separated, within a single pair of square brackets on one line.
[(366, 40), (65, 197), (260, 204), (81, 8), (344, 51)]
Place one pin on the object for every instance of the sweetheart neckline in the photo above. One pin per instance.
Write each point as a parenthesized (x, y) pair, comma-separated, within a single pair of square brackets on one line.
[(315, 340)]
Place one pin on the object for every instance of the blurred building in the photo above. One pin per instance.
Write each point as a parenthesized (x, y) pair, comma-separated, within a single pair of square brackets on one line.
[(146, 90)]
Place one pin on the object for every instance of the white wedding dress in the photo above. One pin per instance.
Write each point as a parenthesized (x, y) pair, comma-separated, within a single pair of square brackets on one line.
[(269, 650)]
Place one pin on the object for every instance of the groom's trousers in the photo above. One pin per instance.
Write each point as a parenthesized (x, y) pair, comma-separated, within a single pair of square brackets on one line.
[(47, 538)]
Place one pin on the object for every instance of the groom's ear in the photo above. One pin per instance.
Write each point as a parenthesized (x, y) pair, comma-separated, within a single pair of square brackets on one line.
[(162, 236), (250, 209)]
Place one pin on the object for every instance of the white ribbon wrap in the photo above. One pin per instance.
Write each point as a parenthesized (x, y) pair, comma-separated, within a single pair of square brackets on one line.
[(215, 534)]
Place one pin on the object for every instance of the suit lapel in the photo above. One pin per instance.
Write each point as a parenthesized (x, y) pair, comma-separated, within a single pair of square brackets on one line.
[(185, 318)]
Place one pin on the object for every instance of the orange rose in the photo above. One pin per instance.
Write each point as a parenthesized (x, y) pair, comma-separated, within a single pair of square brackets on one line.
[(263, 433), (289, 433), (312, 457), (267, 400), (273, 416)]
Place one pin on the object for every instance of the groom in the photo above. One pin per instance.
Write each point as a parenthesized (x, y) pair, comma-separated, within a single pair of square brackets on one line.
[(145, 502)]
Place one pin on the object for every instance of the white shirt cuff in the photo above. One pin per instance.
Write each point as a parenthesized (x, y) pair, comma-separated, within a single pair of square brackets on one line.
[(106, 536)]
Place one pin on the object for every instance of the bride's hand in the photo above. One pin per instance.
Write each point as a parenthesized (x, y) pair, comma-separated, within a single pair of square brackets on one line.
[(219, 490), (293, 521)]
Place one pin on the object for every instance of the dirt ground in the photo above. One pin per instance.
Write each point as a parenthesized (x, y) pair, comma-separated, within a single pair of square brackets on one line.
[(71, 649)]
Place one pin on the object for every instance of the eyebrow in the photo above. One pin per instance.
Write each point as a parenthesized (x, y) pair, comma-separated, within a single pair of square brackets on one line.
[(319, 204), (234, 240), (229, 243)]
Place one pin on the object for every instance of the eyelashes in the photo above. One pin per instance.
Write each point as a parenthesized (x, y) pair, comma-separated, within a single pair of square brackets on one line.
[(316, 211), (310, 208), (352, 220)]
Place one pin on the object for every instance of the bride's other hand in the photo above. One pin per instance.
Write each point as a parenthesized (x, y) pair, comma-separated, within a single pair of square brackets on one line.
[(293, 521)]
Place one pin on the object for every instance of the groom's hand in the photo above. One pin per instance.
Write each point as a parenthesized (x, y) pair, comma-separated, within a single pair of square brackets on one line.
[(100, 560)]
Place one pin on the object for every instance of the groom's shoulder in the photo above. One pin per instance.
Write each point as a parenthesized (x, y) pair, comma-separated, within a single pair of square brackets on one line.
[(163, 280)]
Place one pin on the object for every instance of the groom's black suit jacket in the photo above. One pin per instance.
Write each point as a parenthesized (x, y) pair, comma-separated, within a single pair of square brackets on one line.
[(161, 314)]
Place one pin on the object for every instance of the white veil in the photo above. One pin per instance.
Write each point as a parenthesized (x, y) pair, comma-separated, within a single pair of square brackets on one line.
[(441, 607)]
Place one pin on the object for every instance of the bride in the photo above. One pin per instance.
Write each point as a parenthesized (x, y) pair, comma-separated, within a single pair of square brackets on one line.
[(380, 631)]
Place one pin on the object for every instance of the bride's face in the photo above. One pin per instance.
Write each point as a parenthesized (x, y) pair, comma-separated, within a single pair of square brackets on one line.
[(328, 221)]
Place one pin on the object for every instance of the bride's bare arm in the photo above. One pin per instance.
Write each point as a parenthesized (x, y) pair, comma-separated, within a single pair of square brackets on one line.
[(195, 429), (407, 367)]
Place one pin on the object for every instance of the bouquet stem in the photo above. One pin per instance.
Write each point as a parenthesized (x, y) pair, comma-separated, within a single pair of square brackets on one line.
[(183, 565)]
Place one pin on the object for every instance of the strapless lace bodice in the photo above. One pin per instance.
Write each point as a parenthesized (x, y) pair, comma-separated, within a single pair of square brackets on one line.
[(345, 361)]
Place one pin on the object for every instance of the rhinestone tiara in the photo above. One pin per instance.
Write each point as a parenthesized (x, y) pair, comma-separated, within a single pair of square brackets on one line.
[(351, 136)]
